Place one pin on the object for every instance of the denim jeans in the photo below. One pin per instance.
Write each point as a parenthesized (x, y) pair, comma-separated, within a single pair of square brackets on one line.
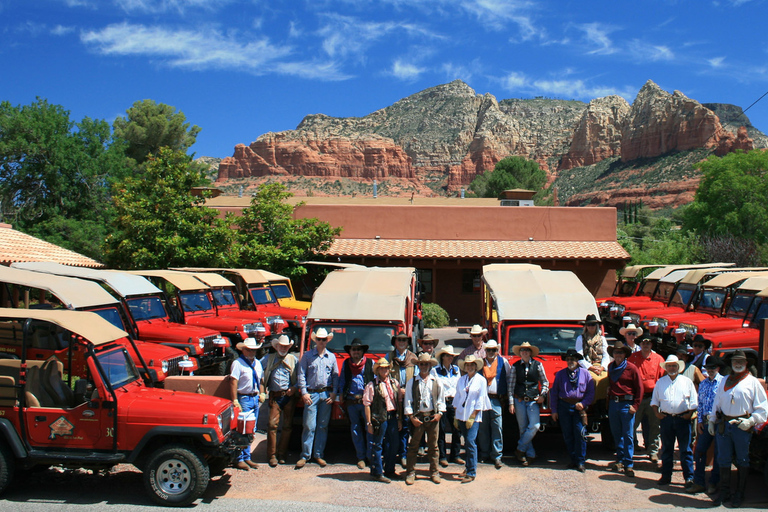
[(733, 444), (470, 446), (446, 427), (623, 428), (675, 428), (356, 414), (248, 404), (489, 437), (404, 433), (384, 444), (574, 432), (316, 418), (703, 442), (528, 420)]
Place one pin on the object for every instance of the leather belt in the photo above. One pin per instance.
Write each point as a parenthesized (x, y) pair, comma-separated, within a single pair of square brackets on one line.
[(494, 396), (729, 418), (572, 401), (248, 394), (621, 398), (318, 390), (277, 394), (354, 399), (526, 398)]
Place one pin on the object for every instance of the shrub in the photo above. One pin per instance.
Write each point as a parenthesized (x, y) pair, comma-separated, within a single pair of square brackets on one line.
[(434, 316)]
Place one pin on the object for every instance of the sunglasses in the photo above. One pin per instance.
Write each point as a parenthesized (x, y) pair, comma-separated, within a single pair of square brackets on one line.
[(430, 343), (355, 349), (491, 350)]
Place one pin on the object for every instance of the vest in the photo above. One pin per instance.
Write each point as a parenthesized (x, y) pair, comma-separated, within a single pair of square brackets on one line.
[(416, 394), (501, 375), (367, 374), (379, 412), (275, 360), (527, 386)]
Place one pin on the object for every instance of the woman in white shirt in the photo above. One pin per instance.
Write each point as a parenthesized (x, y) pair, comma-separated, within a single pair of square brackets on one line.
[(470, 400)]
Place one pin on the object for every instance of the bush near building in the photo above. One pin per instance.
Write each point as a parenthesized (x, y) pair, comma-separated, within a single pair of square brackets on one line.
[(434, 316)]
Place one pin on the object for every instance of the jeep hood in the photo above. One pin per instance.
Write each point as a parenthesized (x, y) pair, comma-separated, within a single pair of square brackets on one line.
[(156, 407)]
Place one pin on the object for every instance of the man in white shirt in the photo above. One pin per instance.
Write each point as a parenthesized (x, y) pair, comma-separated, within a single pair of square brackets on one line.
[(424, 406), (496, 370), (740, 404), (674, 401)]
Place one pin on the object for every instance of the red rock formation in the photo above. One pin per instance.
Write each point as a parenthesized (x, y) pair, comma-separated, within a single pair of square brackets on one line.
[(359, 157), (731, 142), (598, 134)]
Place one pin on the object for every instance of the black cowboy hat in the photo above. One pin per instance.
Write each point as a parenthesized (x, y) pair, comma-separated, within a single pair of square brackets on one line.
[(713, 361), (701, 339), (591, 320), (357, 342), (401, 336), (571, 352)]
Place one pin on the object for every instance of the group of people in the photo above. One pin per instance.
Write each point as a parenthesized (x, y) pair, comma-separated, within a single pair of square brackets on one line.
[(406, 403)]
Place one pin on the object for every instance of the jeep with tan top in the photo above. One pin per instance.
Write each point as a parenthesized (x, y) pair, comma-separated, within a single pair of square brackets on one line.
[(106, 415)]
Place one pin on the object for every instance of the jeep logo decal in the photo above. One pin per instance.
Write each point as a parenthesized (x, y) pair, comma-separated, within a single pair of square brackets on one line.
[(61, 427)]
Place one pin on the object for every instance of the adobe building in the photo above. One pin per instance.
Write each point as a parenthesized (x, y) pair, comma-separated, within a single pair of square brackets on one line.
[(16, 246), (450, 239)]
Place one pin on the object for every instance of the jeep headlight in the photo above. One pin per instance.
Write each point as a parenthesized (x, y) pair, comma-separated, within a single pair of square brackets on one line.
[(220, 421), (689, 328), (220, 340), (201, 342), (662, 323), (164, 366), (634, 318)]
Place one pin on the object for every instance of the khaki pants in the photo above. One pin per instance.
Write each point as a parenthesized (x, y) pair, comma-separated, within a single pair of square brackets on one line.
[(275, 413), (646, 418), (431, 429)]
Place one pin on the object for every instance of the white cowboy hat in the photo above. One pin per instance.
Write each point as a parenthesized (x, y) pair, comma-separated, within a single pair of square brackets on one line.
[(673, 359), (447, 349), (471, 358), (322, 334), (476, 329), (491, 344), (534, 349), (631, 328), (283, 341), (249, 343)]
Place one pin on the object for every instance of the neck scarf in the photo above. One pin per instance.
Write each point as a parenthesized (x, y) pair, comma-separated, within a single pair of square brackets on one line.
[(615, 372), (356, 367), (489, 370), (573, 377), (735, 378)]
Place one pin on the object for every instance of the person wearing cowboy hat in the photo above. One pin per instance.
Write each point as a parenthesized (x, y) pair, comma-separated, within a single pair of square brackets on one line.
[(740, 404), (424, 406), (691, 371), (631, 335), (572, 392), (402, 369), (625, 392), (674, 401), (448, 374), (528, 385), (649, 364), (280, 380), (382, 419), (700, 346), (318, 376), (496, 370), (477, 336), (356, 373), (593, 346), (470, 401), (427, 344), (247, 390), (707, 393)]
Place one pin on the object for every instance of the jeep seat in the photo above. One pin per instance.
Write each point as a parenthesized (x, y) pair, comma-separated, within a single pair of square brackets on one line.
[(34, 391), (54, 385), (7, 391)]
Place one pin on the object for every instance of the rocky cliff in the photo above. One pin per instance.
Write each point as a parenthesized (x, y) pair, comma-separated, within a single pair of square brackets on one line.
[(448, 134)]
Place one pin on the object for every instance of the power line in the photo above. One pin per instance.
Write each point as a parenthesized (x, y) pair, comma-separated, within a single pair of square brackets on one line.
[(753, 103)]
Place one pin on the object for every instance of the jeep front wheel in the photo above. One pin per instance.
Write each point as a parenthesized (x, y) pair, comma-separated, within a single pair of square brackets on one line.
[(7, 465), (176, 475)]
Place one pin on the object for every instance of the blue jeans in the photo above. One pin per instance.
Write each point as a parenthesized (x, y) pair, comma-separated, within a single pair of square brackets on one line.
[(470, 446), (489, 436), (733, 444), (528, 420), (446, 427), (356, 414), (574, 432), (402, 449), (384, 444), (623, 428), (703, 442), (315, 434), (248, 404), (675, 428)]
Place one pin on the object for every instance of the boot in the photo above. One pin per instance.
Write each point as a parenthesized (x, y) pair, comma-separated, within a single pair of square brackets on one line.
[(741, 486), (725, 487)]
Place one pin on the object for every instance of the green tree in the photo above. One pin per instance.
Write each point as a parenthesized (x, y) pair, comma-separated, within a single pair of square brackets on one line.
[(656, 239), (731, 198), (269, 237), (55, 174), (160, 223), (148, 126), (511, 172)]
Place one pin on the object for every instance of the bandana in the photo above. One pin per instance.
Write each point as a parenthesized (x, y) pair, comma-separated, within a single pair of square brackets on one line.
[(614, 371), (734, 379), (356, 367)]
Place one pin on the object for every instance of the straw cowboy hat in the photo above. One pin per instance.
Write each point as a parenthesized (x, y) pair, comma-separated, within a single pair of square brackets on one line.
[(571, 352), (534, 349), (491, 344), (673, 359), (282, 341), (426, 358), (618, 345), (476, 329), (447, 349), (469, 360), (357, 342), (322, 334), (591, 320), (429, 337), (631, 328), (249, 343), (381, 363)]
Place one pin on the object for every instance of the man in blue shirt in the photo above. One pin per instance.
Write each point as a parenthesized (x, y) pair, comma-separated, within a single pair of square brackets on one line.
[(707, 391), (247, 391), (403, 363), (356, 372), (318, 377)]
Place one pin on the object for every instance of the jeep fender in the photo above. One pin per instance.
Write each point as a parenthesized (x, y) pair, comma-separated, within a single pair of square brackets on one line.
[(193, 434), (9, 434)]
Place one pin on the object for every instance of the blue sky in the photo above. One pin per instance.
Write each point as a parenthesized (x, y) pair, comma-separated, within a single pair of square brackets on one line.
[(240, 68)]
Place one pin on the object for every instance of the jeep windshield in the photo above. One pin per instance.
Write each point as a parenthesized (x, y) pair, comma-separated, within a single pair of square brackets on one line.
[(550, 339), (111, 315), (262, 296), (224, 297), (682, 296), (196, 301), (377, 337), (118, 367), (741, 304), (146, 308), (281, 291), (712, 299)]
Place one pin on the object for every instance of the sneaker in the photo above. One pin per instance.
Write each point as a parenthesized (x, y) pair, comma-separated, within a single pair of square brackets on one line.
[(321, 462), (435, 478), (695, 489), (361, 464), (443, 463), (301, 463), (381, 478), (273, 462), (581, 468), (629, 472), (410, 479)]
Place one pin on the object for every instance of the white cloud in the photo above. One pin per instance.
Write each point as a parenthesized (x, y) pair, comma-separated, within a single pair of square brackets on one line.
[(406, 70), (716, 62), (514, 82), (61, 30), (453, 71), (312, 70), (643, 51), (160, 6), (519, 83), (597, 36)]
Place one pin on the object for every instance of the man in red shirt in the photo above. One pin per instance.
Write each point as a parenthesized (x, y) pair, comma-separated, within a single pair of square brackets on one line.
[(624, 393), (649, 363)]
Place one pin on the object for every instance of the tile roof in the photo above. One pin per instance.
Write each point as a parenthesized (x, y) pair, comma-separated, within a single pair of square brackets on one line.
[(17, 246), (529, 250)]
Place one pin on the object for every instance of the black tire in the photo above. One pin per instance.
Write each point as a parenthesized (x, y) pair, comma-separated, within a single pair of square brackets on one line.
[(7, 466), (176, 475), (224, 367)]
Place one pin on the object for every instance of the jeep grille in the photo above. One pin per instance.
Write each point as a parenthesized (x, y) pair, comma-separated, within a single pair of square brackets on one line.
[(226, 420), (210, 348), (173, 365)]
